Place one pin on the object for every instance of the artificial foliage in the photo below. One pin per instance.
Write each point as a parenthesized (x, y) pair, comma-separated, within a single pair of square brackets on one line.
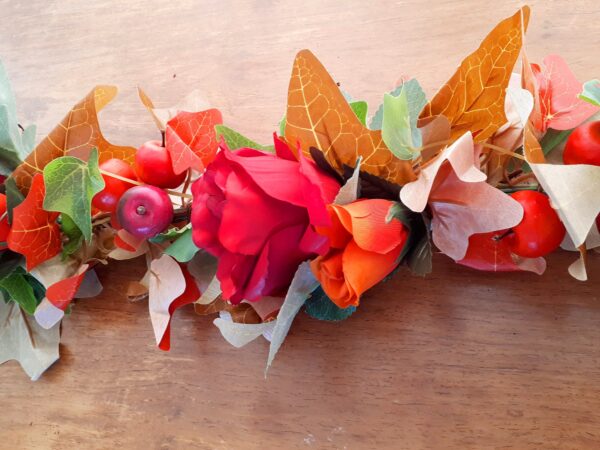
[(309, 219)]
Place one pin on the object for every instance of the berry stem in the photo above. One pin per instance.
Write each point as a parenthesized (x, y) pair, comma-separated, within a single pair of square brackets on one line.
[(186, 185), (137, 183)]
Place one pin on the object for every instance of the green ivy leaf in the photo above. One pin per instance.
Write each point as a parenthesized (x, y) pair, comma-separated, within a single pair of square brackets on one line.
[(320, 306), (17, 288), (170, 234), (70, 185), (14, 197), (554, 138), (416, 100), (235, 140), (183, 249), (360, 109), (73, 233), (9, 261), (417, 251), (591, 92)]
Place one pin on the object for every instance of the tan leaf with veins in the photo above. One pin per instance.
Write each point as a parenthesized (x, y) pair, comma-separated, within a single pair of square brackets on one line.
[(77, 134), (319, 116), (473, 98)]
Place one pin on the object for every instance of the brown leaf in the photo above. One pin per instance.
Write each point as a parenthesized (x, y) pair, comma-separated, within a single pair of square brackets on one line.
[(212, 308), (136, 291), (242, 313), (473, 99), (319, 116), (77, 134)]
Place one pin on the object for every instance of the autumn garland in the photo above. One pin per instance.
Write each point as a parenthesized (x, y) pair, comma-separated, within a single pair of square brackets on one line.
[(313, 221)]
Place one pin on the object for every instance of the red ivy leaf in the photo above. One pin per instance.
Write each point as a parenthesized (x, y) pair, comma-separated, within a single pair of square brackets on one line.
[(190, 295), (62, 292), (487, 252), (191, 139), (34, 232)]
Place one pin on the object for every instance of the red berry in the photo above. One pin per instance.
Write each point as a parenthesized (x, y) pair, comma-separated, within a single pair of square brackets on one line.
[(154, 166), (583, 145), (541, 231), (145, 211), (107, 199)]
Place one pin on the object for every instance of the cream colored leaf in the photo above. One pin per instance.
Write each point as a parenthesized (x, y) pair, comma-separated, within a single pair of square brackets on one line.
[(23, 340), (166, 283), (574, 191)]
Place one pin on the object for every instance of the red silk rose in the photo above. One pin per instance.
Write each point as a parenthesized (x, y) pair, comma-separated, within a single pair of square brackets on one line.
[(257, 213)]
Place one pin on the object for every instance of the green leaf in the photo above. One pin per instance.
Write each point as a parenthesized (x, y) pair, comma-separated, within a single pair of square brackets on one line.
[(417, 251), (360, 109), (396, 130), (235, 140), (416, 102), (70, 185), (554, 138), (39, 291), (14, 197), (19, 290), (170, 234), (183, 249), (282, 124), (321, 307), (9, 261), (73, 233), (591, 92)]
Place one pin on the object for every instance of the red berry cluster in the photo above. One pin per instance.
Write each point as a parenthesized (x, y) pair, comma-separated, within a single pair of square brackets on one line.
[(143, 210)]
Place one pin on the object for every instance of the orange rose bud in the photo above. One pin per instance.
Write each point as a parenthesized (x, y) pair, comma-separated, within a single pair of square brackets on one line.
[(364, 249)]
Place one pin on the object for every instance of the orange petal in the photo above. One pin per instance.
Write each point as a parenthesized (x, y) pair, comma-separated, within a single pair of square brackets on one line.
[(337, 234), (365, 219), (328, 271), (364, 269)]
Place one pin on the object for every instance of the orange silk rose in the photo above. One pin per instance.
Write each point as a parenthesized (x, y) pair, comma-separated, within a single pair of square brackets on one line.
[(364, 249)]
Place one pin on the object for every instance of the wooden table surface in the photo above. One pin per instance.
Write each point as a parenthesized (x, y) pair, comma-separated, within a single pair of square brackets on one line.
[(458, 360)]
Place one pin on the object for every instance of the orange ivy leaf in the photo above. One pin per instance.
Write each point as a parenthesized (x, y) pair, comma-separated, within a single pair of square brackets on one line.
[(77, 134), (473, 99), (319, 116), (191, 139), (34, 232)]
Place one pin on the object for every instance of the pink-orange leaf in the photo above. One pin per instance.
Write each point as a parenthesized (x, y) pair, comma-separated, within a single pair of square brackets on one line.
[(460, 200), (34, 232), (191, 139), (558, 89)]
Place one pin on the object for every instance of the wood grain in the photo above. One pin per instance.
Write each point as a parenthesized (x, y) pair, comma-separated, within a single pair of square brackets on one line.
[(457, 360)]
